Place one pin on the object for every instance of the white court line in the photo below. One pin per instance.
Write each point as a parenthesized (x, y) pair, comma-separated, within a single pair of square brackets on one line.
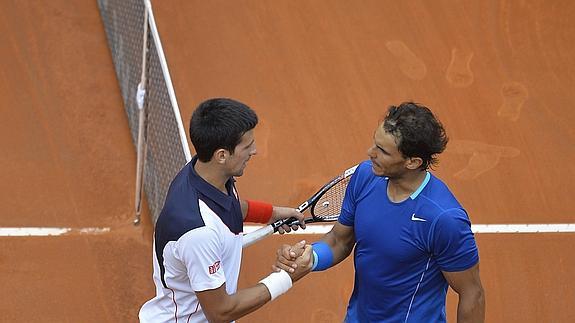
[(43, 231), (476, 228), (311, 229), (523, 228)]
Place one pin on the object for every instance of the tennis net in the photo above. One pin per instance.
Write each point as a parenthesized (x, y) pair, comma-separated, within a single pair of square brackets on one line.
[(139, 59)]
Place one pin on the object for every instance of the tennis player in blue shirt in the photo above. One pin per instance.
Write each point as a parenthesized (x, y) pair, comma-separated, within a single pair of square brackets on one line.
[(412, 238)]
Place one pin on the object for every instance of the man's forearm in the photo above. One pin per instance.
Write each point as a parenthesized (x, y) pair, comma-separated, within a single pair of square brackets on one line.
[(341, 248), (471, 307), (232, 307)]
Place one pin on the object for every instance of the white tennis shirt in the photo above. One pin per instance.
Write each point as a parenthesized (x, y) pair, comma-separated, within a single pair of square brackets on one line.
[(203, 258), (199, 251)]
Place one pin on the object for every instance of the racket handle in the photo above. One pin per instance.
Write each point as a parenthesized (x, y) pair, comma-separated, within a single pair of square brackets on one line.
[(294, 221), (259, 234), (290, 222), (281, 222)]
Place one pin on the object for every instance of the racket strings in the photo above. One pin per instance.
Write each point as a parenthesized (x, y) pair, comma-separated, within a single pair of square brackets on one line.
[(328, 207)]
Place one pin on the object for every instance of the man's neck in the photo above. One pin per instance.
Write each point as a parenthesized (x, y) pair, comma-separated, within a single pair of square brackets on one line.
[(212, 174), (399, 189)]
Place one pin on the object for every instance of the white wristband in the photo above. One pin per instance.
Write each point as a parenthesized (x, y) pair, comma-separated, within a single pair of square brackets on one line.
[(314, 263), (277, 283)]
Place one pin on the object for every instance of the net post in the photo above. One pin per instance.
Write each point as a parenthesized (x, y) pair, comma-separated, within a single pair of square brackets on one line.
[(140, 163), (141, 144)]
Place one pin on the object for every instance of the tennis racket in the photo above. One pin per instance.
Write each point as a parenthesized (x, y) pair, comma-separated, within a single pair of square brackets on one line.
[(325, 206)]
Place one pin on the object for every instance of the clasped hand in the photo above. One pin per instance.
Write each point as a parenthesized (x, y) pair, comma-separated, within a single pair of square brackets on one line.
[(296, 260)]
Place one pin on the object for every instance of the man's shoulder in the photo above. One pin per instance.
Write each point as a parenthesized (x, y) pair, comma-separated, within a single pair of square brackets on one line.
[(181, 211), (439, 194), (438, 202)]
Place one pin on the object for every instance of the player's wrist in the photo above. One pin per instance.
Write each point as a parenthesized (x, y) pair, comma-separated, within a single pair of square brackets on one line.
[(258, 212), (322, 256), (277, 283)]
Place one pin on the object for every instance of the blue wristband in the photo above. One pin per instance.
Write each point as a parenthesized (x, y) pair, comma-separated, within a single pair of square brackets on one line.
[(322, 256)]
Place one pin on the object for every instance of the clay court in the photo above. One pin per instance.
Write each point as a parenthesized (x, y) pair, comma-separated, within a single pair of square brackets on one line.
[(320, 74)]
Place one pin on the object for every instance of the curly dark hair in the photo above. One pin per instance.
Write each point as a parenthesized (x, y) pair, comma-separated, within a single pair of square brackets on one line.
[(417, 132), (220, 123)]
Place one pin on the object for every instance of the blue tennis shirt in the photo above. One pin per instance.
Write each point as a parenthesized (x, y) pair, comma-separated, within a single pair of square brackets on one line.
[(402, 248)]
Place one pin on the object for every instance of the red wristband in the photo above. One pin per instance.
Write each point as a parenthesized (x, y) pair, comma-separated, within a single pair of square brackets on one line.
[(259, 212)]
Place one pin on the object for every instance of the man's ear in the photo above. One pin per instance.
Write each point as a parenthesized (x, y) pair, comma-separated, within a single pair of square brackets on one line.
[(413, 162), (220, 156)]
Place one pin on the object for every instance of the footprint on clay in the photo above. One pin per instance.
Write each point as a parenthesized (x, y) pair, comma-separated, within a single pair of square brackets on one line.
[(322, 315), (409, 63), (459, 72), (484, 157), (514, 95)]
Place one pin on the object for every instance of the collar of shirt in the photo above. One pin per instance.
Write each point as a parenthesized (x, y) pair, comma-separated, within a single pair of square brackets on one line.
[(208, 190)]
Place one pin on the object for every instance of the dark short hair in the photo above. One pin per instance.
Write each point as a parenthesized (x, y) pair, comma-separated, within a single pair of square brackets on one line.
[(219, 123), (417, 132)]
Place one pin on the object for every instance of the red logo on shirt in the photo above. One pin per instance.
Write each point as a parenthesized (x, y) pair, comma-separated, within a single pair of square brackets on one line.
[(214, 268)]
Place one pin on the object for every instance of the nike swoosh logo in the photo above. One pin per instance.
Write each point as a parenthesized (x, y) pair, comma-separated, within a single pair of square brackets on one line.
[(414, 218)]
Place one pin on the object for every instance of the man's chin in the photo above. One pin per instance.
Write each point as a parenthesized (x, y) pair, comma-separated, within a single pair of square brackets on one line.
[(378, 172)]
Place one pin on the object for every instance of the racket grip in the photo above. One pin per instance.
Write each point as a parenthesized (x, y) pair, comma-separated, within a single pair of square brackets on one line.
[(289, 221), (269, 229)]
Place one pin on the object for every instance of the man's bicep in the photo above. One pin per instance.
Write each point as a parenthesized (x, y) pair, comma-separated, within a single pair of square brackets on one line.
[(201, 253), (244, 208), (463, 281)]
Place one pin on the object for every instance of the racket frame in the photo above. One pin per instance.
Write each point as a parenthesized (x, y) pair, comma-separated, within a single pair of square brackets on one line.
[(269, 229)]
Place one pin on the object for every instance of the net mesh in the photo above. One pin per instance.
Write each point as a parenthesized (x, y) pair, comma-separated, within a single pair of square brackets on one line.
[(165, 153)]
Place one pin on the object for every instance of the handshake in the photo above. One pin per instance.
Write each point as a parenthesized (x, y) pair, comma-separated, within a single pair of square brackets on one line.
[(296, 260)]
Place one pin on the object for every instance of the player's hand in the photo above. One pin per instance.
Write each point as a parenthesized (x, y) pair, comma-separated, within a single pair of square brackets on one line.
[(304, 263), (285, 258), (280, 213), (296, 260)]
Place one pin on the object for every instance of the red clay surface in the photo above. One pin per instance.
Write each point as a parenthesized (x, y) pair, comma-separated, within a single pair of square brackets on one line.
[(67, 161), (320, 74)]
